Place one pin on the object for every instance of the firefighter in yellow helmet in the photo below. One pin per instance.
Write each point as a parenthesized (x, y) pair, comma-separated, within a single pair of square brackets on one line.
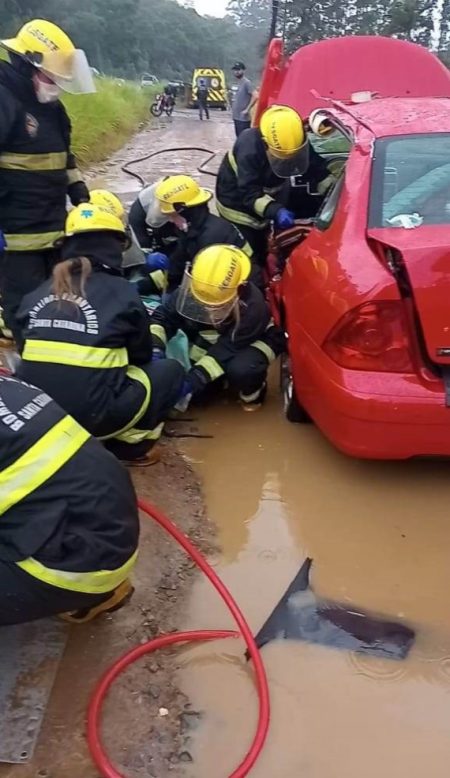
[(250, 189), (228, 323), (69, 523), (147, 268), (88, 343), (182, 198), (37, 167)]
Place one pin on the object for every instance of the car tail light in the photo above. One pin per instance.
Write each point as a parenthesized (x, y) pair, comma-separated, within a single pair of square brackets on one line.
[(373, 336)]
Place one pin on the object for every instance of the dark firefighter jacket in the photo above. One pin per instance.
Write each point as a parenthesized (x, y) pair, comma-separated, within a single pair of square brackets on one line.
[(204, 229), (246, 184), (37, 168), (67, 507), (212, 349), (86, 353)]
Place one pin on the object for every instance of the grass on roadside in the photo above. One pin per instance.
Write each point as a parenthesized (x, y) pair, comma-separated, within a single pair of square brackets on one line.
[(102, 122)]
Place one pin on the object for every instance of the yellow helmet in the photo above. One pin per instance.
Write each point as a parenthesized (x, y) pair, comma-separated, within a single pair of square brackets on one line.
[(209, 291), (108, 200), (92, 218), (180, 192), (49, 49), (217, 273), (284, 136)]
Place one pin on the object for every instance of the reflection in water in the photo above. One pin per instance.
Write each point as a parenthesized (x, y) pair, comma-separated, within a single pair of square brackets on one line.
[(379, 534)]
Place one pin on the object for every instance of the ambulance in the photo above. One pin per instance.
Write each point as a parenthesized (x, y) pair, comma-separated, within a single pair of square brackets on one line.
[(214, 79)]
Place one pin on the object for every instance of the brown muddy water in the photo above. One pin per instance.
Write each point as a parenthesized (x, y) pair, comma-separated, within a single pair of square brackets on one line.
[(379, 534)]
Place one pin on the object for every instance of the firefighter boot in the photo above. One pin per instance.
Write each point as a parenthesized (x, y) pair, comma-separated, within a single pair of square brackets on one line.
[(253, 402), (118, 598)]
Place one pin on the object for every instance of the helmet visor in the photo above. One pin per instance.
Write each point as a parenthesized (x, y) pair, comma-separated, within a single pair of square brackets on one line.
[(285, 166), (197, 308), (71, 72)]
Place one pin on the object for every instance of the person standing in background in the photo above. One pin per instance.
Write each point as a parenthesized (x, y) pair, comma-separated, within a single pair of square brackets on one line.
[(202, 97), (244, 99)]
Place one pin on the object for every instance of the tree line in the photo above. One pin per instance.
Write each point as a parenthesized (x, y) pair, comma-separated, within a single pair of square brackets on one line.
[(129, 37), (303, 21)]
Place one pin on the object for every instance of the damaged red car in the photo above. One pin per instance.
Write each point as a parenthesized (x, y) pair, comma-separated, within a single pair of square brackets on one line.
[(365, 295)]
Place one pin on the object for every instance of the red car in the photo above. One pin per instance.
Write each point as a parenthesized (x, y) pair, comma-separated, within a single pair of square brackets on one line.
[(365, 297)]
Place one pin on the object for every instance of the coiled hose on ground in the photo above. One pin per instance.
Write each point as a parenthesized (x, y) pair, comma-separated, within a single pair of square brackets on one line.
[(201, 168), (98, 753)]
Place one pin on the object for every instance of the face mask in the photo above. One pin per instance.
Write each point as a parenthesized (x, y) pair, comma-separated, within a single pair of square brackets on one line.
[(46, 92)]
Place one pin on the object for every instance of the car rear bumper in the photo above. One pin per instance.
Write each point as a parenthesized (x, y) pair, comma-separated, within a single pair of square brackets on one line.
[(373, 415)]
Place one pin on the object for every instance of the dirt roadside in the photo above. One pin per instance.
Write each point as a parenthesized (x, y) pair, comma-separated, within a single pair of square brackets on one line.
[(140, 740)]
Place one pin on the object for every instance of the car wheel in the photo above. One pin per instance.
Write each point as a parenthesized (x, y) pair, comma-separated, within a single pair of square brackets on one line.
[(294, 412)]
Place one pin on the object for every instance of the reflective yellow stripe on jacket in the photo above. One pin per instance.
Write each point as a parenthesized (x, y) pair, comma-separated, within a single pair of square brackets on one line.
[(98, 582), (40, 462), (38, 241), (239, 217), (63, 353), (130, 434), (36, 162)]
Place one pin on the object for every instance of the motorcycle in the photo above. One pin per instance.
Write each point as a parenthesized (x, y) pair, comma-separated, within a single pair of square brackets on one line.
[(163, 104)]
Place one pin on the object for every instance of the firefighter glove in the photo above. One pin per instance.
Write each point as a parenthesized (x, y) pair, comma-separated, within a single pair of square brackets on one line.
[(284, 219), (156, 260)]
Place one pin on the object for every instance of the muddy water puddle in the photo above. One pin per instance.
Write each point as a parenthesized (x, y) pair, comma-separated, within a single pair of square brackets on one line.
[(379, 535)]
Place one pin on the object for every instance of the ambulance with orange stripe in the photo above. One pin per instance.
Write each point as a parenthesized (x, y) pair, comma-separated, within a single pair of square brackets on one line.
[(214, 78)]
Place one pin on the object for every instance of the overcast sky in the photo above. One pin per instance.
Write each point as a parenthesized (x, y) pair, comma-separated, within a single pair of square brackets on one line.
[(211, 7)]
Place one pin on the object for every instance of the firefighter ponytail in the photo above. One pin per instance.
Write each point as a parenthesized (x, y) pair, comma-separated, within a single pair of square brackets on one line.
[(69, 277)]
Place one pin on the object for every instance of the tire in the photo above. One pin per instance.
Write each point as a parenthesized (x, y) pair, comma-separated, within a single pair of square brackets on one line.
[(169, 111), (155, 109), (223, 108), (293, 411)]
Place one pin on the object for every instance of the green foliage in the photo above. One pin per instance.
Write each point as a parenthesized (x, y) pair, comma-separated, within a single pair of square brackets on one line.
[(311, 20), (102, 122), (129, 37)]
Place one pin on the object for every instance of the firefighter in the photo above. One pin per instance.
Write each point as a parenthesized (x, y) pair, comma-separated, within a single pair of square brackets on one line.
[(37, 168), (198, 228), (202, 99), (136, 263), (252, 174), (88, 344), (228, 324), (69, 522)]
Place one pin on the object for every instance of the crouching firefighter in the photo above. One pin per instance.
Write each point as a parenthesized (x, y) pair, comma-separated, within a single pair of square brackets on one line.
[(137, 264), (228, 325), (88, 344), (37, 167), (69, 524), (180, 197), (250, 182)]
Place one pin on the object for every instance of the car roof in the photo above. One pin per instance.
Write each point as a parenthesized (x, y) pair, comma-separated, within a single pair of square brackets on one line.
[(396, 116)]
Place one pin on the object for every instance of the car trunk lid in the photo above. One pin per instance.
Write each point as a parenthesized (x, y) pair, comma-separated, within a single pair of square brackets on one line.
[(425, 255)]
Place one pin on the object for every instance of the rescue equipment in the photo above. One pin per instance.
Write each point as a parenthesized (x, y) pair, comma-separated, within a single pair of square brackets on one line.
[(91, 218), (284, 135)]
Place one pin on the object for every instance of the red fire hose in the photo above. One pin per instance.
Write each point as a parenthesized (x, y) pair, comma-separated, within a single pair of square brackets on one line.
[(98, 753)]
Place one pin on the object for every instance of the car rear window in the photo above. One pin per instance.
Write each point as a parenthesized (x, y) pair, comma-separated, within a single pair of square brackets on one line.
[(411, 181)]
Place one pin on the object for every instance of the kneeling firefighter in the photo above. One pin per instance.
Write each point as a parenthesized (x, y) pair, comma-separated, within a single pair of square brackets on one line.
[(88, 344), (136, 262), (251, 176), (227, 322), (197, 227), (37, 167), (69, 524)]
